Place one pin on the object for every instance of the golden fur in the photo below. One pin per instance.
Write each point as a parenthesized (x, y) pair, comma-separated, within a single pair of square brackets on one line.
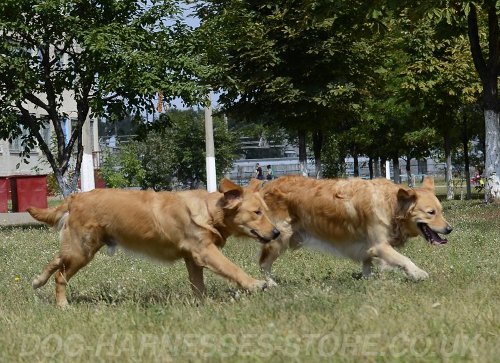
[(192, 225), (355, 218)]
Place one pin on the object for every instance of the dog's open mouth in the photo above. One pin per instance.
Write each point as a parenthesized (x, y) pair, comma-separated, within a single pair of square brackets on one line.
[(431, 236), (259, 237)]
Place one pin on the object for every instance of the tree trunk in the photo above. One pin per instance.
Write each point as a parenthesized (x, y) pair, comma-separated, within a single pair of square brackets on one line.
[(492, 151), (341, 165), (60, 163), (303, 152), (409, 177), (465, 142), (382, 167), (449, 172), (317, 146), (64, 184), (356, 164), (488, 72), (397, 172), (377, 167), (370, 167)]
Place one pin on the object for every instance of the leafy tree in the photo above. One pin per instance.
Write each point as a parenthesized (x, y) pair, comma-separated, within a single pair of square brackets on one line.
[(426, 78), (333, 157), (172, 157), (441, 78), (123, 168), (300, 64), (187, 136), (489, 70), (109, 56), (484, 39)]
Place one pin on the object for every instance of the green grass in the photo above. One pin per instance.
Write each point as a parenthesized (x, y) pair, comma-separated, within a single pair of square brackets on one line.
[(125, 308)]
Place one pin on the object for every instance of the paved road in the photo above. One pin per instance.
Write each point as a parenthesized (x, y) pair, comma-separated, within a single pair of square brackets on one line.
[(17, 219)]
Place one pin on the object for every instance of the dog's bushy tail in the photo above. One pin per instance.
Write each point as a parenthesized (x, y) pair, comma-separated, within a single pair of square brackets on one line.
[(53, 217)]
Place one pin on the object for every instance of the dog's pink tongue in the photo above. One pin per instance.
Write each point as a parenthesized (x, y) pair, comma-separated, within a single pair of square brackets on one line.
[(436, 239), (432, 236), (440, 242)]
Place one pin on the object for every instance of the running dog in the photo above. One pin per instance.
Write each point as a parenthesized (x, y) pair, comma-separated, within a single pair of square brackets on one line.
[(191, 225), (360, 219)]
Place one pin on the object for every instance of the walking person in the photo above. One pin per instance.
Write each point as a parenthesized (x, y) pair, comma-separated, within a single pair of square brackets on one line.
[(258, 172), (269, 173)]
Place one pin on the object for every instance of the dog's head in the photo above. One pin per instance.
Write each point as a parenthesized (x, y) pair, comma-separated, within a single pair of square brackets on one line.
[(244, 212), (422, 213)]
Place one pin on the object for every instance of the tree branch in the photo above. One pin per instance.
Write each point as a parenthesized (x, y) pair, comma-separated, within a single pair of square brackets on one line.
[(35, 131), (109, 98), (76, 133), (475, 45), (36, 101), (493, 41), (51, 99)]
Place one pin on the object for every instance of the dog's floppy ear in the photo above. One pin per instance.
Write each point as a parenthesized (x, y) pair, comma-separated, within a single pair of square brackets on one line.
[(406, 200), (428, 184), (233, 194), (406, 195), (254, 185)]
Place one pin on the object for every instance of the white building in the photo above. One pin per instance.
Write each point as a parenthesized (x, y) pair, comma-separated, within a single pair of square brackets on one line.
[(10, 161)]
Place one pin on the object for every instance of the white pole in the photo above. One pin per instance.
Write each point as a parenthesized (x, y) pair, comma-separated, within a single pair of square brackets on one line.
[(87, 169), (209, 147), (388, 169)]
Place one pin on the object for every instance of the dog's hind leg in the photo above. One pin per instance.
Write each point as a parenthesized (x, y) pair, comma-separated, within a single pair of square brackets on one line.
[(195, 277), (69, 267), (77, 253), (52, 267), (211, 258), (367, 268)]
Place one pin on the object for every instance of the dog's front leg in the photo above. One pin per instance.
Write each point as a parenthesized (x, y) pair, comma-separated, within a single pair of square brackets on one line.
[(394, 258), (211, 258), (268, 255), (195, 277)]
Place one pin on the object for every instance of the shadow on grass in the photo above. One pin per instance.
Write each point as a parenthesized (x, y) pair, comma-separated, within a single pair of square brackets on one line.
[(142, 298), (24, 227)]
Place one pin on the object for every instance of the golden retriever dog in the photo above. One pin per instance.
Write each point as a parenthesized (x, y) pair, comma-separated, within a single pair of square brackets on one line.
[(360, 219), (191, 225)]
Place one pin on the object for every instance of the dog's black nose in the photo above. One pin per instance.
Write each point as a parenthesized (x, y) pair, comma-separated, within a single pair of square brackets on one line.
[(276, 233), (449, 229)]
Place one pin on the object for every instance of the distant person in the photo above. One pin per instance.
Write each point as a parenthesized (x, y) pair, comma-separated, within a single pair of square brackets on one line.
[(258, 172), (269, 173)]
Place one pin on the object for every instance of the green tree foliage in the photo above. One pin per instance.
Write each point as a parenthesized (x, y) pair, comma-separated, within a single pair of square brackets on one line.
[(173, 157), (301, 64), (482, 19), (108, 56), (122, 167), (333, 158), (425, 79)]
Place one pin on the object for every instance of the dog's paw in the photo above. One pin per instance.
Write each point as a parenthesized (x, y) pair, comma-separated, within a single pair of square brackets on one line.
[(257, 285), (37, 282), (357, 275), (418, 275), (270, 282), (64, 305)]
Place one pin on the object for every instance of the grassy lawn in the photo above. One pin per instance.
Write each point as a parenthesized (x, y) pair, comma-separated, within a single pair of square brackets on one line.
[(124, 308)]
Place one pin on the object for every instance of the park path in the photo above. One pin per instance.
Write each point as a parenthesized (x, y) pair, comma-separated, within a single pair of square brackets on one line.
[(17, 219)]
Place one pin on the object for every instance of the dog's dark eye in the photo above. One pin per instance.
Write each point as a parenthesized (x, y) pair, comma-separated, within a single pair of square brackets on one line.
[(258, 212), (431, 212)]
